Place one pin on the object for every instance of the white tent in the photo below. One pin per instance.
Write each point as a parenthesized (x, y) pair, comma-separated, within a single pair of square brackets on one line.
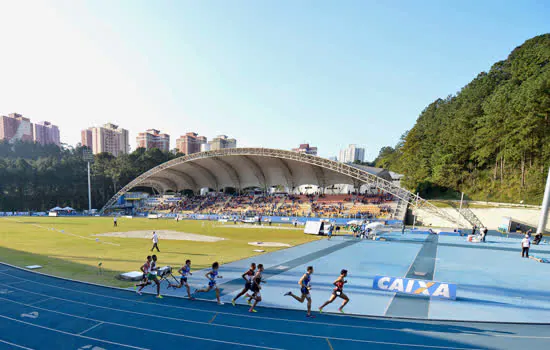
[(56, 209), (68, 209), (374, 225)]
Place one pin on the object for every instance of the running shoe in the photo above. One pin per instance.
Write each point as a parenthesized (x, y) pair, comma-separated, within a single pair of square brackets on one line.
[(138, 292), (220, 302), (252, 310), (159, 296), (288, 293), (310, 316), (341, 311), (320, 310), (233, 302)]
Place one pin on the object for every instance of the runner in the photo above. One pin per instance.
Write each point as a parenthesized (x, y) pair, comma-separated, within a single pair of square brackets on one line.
[(256, 281), (145, 268), (184, 271), (247, 276), (338, 292), (212, 275), (153, 275), (305, 287)]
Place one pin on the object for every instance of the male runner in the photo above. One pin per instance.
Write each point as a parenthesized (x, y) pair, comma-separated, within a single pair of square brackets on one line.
[(247, 276), (145, 268), (212, 275), (257, 296), (153, 275), (305, 287), (338, 291), (184, 271)]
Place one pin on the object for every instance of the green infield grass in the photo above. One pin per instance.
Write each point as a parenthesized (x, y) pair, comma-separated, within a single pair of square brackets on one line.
[(76, 252)]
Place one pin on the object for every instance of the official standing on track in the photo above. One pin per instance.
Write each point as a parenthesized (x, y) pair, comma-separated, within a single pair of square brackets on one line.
[(525, 244), (115, 222), (155, 242)]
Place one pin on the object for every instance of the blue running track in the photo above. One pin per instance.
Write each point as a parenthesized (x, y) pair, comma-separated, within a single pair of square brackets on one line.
[(43, 312)]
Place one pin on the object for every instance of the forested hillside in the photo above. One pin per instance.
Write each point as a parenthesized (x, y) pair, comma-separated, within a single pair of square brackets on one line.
[(35, 177), (490, 140)]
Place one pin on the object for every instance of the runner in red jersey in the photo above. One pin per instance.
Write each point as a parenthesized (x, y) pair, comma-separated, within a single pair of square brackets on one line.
[(338, 291)]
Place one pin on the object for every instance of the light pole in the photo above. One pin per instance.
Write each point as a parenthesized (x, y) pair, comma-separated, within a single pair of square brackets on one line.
[(545, 206), (88, 157)]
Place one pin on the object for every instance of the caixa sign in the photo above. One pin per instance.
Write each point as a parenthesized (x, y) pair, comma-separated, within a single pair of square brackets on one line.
[(415, 287)]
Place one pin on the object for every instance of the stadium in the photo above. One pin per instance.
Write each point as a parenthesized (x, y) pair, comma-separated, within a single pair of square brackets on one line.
[(274, 175), (407, 286)]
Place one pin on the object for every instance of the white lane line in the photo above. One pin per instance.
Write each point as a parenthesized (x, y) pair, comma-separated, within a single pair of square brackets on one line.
[(72, 334), (482, 333), (141, 329), (42, 300), (14, 282), (15, 345), (228, 326), (264, 317), (92, 327)]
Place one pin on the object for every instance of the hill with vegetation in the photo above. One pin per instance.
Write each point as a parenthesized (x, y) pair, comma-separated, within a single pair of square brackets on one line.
[(491, 140)]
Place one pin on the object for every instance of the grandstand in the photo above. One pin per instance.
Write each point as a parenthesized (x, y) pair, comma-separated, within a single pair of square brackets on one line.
[(233, 170)]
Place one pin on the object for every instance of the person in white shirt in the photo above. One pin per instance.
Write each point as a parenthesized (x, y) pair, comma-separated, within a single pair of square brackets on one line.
[(155, 242), (115, 222), (525, 244)]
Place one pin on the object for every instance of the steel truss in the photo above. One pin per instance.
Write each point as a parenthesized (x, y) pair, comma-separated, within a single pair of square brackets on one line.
[(357, 175)]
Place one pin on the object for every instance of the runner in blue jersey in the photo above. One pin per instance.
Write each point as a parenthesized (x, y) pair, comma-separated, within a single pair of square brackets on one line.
[(305, 287), (184, 272), (212, 275)]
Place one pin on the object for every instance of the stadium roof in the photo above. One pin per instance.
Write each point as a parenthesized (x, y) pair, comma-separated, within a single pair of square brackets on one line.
[(263, 167)]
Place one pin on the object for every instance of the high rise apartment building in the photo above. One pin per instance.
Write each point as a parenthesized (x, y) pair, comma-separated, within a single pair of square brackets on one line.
[(306, 149), (222, 142), (45, 133), (352, 154), (152, 138), (108, 138), (15, 127), (190, 143)]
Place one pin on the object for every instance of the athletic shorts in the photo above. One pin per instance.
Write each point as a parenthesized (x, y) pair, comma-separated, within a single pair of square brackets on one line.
[(183, 279), (248, 286), (337, 292), (151, 276), (305, 291), (212, 284)]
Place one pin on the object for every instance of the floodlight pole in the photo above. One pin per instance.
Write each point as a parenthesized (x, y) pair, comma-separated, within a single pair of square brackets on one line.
[(545, 206), (459, 211), (89, 191)]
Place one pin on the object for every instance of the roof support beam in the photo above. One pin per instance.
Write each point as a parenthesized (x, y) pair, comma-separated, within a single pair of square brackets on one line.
[(212, 179), (189, 180), (287, 172), (230, 170), (257, 170)]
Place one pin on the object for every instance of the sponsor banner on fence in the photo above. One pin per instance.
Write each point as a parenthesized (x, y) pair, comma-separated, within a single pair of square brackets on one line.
[(415, 287)]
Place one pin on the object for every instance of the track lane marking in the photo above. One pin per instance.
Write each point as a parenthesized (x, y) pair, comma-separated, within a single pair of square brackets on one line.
[(269, 318), (138, 328), (92, 327), (227, 326), (72, 334), (16, 345)]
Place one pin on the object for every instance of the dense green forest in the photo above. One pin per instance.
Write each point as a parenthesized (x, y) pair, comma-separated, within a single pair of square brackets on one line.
[(491, 140), (35, 177)]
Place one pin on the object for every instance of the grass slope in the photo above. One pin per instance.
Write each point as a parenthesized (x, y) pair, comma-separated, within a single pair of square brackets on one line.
[(75, 253)]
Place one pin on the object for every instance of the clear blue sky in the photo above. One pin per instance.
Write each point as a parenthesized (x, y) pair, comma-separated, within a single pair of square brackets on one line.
[(271, 74)]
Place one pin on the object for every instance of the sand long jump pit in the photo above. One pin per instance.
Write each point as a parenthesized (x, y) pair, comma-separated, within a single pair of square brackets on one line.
[(163, 235)]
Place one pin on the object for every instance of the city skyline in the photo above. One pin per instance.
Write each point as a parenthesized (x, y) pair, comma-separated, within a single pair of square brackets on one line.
[(373, 68)]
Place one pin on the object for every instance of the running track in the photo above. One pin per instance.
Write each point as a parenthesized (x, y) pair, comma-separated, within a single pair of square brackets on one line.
[(44, 312)]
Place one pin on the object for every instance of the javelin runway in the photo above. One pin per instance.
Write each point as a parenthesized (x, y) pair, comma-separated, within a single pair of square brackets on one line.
[(43, 312)]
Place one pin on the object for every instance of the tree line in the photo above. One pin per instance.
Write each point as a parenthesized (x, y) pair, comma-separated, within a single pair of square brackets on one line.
[(35, 177), (491, 140)]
